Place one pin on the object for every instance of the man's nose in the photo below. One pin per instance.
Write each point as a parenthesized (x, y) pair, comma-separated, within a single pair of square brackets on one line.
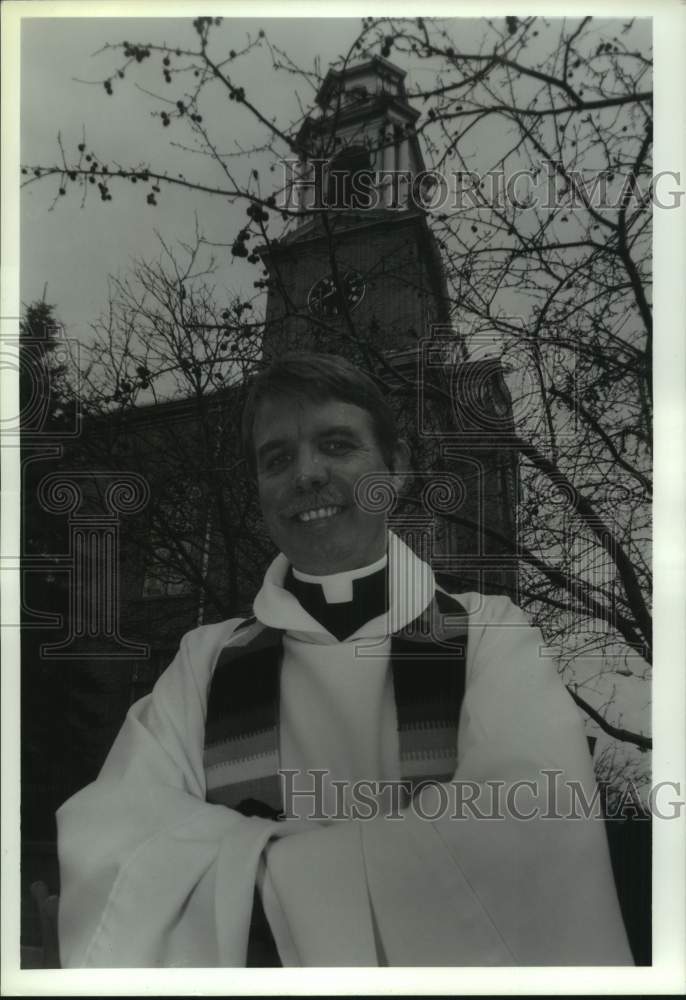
[(311, 469)]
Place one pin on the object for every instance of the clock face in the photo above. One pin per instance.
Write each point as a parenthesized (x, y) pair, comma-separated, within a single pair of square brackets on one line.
[(324, 299)]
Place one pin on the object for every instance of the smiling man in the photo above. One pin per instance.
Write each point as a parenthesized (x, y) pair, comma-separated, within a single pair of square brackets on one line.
[(310, 454), (282, 795)]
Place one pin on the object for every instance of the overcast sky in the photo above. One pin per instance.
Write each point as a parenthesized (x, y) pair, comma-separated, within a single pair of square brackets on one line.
[(73, 249)]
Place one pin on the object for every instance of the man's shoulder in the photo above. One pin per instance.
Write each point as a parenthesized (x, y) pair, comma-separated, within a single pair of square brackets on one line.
[(201, 646), (484, 608), (210, 637), (198, 652)]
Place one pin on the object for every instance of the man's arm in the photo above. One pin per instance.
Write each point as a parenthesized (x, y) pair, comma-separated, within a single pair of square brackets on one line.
[(546, 880), (145, 862), (516, 716)]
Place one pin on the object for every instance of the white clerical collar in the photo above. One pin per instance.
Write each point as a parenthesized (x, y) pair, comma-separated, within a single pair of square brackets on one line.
[(411, 586), (338, 587)]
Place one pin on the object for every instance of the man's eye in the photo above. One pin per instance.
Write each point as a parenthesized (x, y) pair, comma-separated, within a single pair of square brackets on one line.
[(277, 461), (336, 447)]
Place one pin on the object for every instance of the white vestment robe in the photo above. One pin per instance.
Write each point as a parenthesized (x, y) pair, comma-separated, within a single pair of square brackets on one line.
[(153, 875)]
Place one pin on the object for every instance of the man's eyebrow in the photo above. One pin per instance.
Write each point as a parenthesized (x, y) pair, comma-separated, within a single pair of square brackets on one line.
[(338, 429)]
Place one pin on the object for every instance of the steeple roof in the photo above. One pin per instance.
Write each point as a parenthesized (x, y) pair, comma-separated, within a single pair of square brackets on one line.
[(376, 75)]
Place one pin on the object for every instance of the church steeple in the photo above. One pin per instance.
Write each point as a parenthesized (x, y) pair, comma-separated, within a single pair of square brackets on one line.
[(364, 132), (361, 266)]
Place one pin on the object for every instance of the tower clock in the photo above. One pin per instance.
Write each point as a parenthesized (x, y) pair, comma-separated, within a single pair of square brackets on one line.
[(328, 298)]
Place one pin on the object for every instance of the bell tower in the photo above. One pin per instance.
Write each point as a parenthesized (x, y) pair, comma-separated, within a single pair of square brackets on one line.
[(365, 123), (359, 269)]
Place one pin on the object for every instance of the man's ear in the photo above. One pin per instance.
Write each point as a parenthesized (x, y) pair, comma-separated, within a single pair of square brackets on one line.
[(401, 464)]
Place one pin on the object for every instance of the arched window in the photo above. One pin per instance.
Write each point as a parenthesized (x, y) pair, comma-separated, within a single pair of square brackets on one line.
[(351, 179)]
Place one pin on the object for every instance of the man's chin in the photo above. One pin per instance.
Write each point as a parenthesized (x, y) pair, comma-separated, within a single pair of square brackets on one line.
[(318, 547), (327, 550)]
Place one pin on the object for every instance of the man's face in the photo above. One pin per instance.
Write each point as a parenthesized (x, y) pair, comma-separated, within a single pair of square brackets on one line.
[(309, 457)]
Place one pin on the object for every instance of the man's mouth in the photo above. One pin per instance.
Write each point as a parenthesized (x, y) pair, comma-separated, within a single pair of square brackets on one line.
[(317, 514)]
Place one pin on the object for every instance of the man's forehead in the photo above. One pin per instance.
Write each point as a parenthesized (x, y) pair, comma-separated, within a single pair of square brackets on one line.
[(279, 416)]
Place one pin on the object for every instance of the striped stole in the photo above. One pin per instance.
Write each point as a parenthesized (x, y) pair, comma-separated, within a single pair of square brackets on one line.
[(241, 755)]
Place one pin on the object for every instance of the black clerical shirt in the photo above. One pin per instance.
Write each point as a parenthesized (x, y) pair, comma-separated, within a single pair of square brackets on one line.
[(342, 618)]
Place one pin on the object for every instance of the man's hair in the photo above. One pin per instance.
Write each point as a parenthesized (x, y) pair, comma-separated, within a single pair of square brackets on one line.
[(319, 378)]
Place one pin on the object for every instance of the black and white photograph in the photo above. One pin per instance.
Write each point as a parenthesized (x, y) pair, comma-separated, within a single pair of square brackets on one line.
[(331, 414)]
